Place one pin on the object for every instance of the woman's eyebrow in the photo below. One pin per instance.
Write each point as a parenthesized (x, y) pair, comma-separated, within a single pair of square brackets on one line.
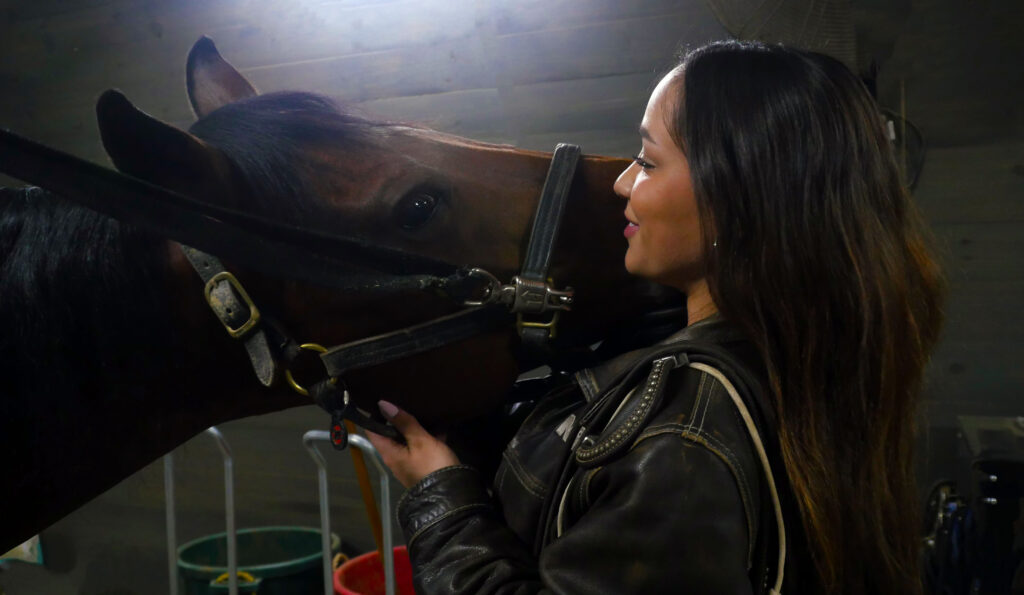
[(645, 134)]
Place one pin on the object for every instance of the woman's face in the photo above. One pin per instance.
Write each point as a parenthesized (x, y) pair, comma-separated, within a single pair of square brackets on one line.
[(663, 228)]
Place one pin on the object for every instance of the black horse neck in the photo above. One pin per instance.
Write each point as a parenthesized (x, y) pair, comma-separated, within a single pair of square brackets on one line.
[(88, 351), (79, 292)]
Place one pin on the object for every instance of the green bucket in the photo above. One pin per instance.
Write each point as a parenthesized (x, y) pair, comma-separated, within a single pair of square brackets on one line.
[(284, 561)]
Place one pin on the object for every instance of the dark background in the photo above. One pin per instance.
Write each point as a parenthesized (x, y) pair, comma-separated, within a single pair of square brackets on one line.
[(528, 73)]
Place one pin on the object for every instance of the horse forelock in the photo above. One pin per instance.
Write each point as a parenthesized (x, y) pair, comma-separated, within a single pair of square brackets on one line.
[(271, 137)]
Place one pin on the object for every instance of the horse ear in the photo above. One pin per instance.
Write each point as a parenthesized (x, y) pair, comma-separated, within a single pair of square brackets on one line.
[(212, 81), (147, 148)]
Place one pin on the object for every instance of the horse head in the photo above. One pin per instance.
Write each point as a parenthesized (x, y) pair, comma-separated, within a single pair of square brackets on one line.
[(298, 157)]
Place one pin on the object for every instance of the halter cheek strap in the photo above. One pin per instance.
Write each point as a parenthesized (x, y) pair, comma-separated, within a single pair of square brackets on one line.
[(237, 312)]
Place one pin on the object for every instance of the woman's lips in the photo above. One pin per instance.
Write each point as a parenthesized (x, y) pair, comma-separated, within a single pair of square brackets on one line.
[(630, 230)]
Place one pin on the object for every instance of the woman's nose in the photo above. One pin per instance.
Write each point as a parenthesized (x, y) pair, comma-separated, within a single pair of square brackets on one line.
[(624, 183)]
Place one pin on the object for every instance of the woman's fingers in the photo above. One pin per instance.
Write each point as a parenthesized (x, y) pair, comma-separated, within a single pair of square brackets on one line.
[(403, 421), (387, 447), (421, 455)]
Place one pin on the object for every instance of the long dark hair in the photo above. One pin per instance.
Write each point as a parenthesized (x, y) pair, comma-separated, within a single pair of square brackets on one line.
[(815, 250)]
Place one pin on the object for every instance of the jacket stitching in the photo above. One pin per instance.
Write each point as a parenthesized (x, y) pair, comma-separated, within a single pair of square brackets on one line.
[(632, 405), (585, 487), (443, 517), (589, 385), (502, 474), (719, 444), (708, 390), (697, 402), (525, 479), (428, 481), (580, 484), (745, 494)]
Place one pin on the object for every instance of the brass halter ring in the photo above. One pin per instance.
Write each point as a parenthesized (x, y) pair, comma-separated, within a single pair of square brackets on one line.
[(291, 379)]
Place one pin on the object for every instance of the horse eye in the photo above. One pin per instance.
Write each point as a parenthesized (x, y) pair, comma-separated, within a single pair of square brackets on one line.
[(413, 211)]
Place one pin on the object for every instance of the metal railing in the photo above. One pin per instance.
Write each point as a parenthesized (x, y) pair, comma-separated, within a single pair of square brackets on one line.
[(309, 440)]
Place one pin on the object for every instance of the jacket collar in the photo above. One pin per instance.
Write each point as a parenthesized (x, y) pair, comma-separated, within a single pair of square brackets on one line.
[(713, 329)]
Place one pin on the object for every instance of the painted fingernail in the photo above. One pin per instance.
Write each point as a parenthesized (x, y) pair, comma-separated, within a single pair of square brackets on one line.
[(387, 409)]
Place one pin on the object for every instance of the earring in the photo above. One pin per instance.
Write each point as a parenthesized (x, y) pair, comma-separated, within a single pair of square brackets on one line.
[(714, 244)]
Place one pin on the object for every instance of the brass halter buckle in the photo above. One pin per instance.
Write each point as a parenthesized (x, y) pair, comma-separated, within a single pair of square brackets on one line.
[(551, 325), (254, 313)]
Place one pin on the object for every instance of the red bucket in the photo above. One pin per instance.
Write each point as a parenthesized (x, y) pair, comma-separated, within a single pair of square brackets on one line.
[(364, 575)]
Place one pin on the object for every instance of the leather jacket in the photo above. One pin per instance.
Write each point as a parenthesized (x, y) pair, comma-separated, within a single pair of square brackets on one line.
[(663, 495)]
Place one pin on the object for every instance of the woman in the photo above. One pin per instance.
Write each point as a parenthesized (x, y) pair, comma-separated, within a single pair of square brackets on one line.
[(766, 191)]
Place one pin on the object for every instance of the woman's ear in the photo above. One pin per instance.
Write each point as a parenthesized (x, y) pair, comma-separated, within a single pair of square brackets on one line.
[(159, 153), (213, 82)]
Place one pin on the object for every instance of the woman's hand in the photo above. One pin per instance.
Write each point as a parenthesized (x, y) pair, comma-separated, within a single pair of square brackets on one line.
[(421, 455)]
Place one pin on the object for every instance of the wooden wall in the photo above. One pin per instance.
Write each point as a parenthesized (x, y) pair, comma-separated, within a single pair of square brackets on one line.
[(529, 73), (959, 68), (524, 72)]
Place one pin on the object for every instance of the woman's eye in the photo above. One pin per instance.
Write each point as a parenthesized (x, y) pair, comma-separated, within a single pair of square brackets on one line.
[(414, 210), (643, 163)]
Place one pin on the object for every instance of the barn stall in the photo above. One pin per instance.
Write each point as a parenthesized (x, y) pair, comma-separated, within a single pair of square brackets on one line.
[(529, 74)]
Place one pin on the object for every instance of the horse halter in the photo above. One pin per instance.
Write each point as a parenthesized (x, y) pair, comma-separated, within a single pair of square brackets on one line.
[(527, 296), (284, 251)]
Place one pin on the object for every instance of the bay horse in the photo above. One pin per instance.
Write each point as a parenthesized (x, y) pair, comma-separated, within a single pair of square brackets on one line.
[(110, 356)]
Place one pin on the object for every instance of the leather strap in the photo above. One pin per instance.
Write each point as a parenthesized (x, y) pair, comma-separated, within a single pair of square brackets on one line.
[(236, 311), (547, 221), (412, 340), (762, 455), (548, 218)]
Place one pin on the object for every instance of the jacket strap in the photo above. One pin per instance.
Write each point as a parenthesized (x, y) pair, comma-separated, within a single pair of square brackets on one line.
[(755, 437)]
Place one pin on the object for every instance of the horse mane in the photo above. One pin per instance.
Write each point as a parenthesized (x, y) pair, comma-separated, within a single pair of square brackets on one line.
[(269, 138), (78, 292)]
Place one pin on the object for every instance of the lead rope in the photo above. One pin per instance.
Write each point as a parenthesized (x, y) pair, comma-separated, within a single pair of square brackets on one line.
[(369, 502)]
